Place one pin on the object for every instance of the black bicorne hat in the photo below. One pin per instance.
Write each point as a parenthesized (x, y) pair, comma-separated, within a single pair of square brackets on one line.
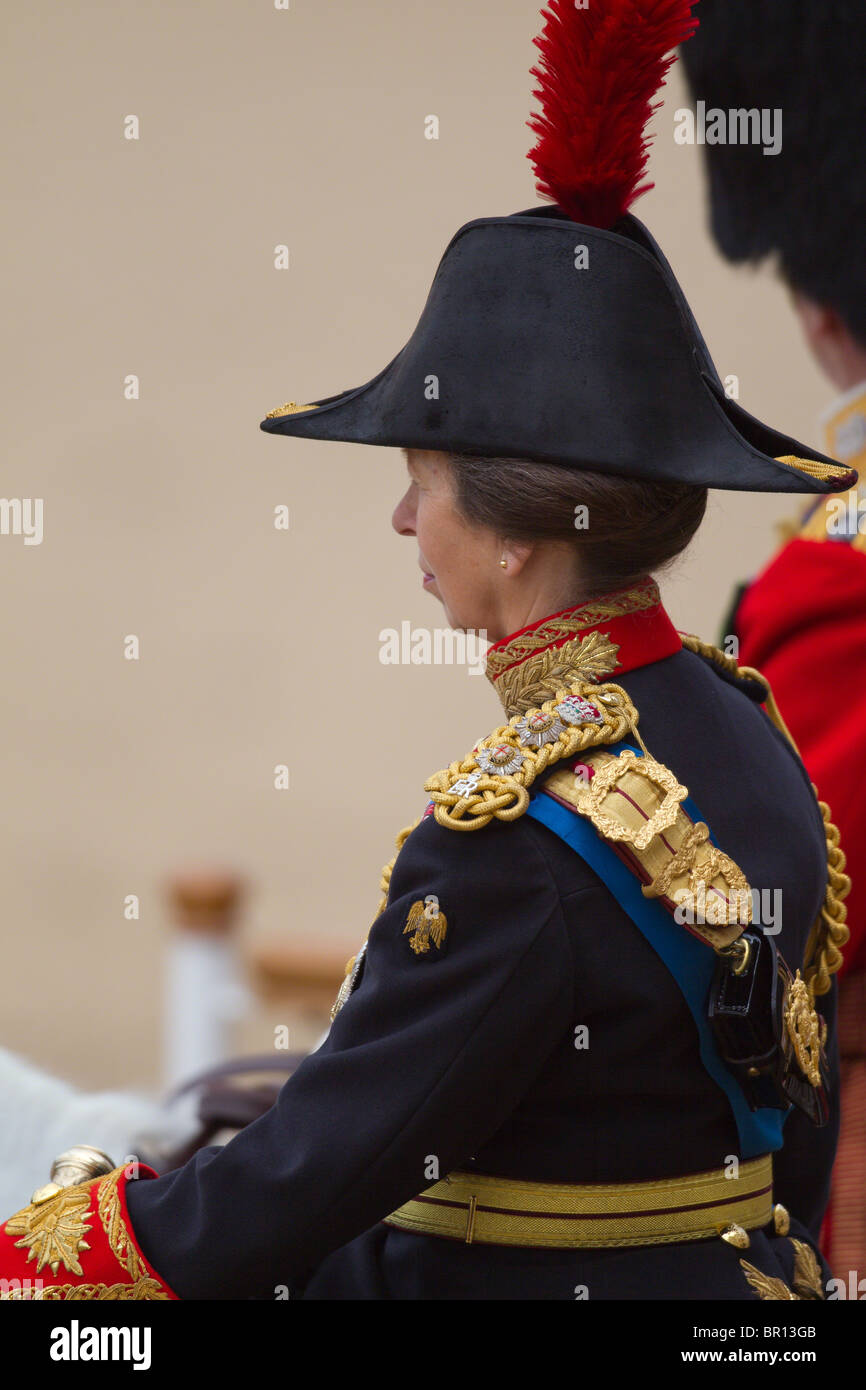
[(549, 337)]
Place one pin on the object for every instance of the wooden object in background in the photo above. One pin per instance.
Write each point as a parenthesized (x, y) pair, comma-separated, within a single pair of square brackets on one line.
[(205, 994)]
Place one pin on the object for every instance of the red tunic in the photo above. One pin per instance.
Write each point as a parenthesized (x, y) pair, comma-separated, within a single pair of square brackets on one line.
[(802, 623)]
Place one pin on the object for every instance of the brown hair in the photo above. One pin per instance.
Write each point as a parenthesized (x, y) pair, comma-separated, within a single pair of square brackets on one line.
[(635, 527)]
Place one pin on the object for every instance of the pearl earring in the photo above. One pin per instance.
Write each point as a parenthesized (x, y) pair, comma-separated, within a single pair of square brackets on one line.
[(504, 563)]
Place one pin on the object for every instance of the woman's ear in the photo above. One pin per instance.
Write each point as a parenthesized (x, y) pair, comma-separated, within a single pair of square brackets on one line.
[(515, 555)]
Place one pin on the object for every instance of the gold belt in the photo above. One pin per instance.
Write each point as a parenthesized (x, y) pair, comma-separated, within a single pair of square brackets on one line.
[(504, 1211)]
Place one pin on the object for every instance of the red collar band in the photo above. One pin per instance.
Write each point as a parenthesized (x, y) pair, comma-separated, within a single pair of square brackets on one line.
[(633, 619)]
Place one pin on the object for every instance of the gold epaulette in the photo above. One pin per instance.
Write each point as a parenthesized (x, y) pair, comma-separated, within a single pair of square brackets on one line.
[(838, 519), (492, 781), (632, 801)]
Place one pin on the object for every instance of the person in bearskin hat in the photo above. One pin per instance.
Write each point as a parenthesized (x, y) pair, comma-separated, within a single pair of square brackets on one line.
[(806, 206), (562, 1062)]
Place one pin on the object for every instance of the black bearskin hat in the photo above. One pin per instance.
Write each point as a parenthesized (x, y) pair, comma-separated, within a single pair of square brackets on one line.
[(805, 205)]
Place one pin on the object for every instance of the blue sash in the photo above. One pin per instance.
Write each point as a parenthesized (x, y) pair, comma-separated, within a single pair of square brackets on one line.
[(690, 961)]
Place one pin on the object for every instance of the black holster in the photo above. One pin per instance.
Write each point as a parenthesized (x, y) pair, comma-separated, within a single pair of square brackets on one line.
[(747, 1014)]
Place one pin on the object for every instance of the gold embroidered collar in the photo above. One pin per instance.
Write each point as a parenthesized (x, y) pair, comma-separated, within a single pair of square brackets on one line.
[(616, 632)]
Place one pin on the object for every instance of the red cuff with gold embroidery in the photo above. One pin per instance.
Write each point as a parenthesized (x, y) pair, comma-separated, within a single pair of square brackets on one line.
[(77, 1243)]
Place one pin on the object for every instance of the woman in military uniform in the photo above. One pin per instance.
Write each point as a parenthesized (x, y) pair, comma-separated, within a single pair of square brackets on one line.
[(578, 1055)]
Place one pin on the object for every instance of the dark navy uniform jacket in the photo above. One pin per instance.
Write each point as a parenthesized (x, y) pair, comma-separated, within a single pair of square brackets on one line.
[(466, 1057)]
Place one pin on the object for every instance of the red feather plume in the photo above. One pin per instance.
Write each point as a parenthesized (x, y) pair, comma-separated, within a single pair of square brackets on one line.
[(600, 68)]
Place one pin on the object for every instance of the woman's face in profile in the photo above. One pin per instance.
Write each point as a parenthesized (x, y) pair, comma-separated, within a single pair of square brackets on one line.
[(459, 560)]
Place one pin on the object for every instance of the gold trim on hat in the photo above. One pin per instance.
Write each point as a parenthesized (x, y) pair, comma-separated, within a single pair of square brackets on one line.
[(290, 408), (813, 468)]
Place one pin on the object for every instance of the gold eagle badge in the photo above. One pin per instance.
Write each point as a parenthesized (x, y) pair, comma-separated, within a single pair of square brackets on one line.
[(426, 923)]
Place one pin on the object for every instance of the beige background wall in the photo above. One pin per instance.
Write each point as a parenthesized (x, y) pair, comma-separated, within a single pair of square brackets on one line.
[(155, 257)]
